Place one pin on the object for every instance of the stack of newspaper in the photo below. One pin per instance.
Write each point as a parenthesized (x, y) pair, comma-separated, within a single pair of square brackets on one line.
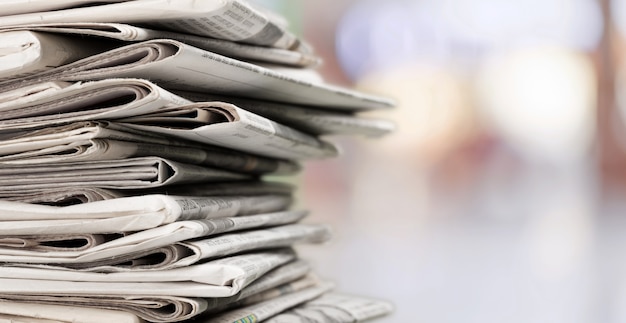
[(134, 141)]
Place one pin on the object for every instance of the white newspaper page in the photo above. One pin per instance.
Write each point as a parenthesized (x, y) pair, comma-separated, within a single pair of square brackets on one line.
[(149, 308), (334, 307), (26, 52), (66, 248), (105, 99), (233, 20), (172, 308), (126, 32), (129, 213), (83, 141), (220, 278), (131, 173), (278, 279), (184, 254), (178, 66), (227, 188), (64, 196), (285, 289), (229, 126), (309, 120), (281, 236), (20, 312), (33, 91), (13, 7), (265, 310)]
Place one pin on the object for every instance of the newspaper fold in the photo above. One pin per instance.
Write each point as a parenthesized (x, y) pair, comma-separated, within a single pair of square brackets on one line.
[(218, 278), (294, 286), (190, 252), (90, 140), (262, 311), (309, 120), (129, 213), (159, 112), (21, 312), (24, 52), (131, 173), (183, 254), (64, 102), (64, 196), (175, 65), (333, 307), (233, 20), (82, 248), (226, 125), (175, 308), (13, 7), (131, 33), (285, 279)]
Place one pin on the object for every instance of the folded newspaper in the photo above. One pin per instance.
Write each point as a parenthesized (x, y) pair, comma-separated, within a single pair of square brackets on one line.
[(127, 214), (24, 52), (158, 112), (339, 308), (137, 141), (130, 173), (84, 247), (103, 140), (64, 196), (169, 256), (48, 103), (282, 280), (233, 20), (308, 120), (175, 65), (226, 125), (218, 278), (20, 312), (133, 33)]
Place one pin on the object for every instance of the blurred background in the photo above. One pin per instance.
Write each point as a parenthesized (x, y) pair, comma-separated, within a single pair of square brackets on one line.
[(500, 197)]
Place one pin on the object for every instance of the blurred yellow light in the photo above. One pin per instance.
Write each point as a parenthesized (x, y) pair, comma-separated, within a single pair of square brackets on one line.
[(542, 101)]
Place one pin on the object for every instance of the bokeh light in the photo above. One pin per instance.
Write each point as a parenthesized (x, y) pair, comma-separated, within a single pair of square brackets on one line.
[(542, 101)]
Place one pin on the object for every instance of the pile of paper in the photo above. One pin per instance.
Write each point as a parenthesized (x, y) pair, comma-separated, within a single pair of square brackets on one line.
[(134, 141)]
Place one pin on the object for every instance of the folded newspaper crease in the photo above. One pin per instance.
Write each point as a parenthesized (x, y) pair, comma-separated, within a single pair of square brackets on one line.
[(264, 310), (310, 120), (233, 20), (131, 173), (160, 112), (72, 242), (179, 255), (101, 140), (219, 278), (164, 61), (20, 312), (147, 257), (67, 195), (293, 276), (284, 279), (90, 247), (336, 308), (105, 99), (137, 141), (62, 196), (25, 52), (14, 7), (131, 33), (129, 213), (294, 286), (226, 125)]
